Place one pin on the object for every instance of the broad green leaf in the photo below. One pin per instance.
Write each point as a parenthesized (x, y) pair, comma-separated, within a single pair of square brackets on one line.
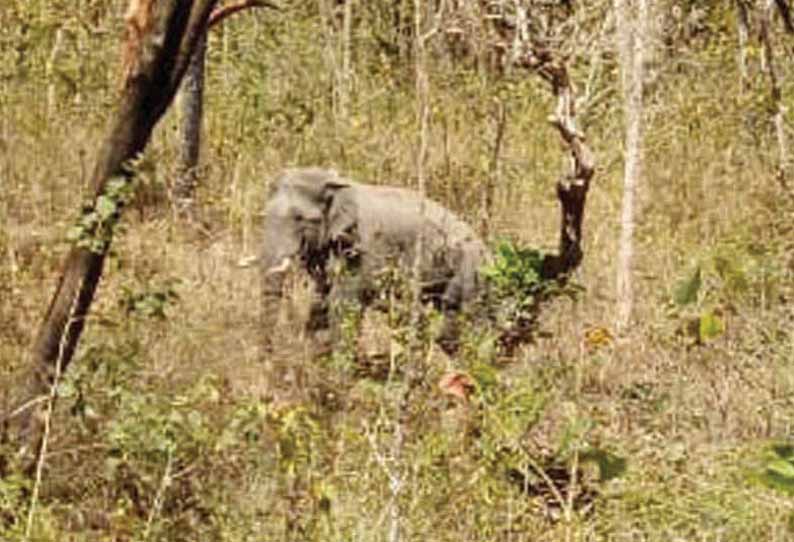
[(687, 290), (609, 465), (710, 327)]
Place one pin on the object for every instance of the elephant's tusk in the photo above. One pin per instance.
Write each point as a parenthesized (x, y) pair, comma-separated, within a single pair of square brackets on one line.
[(247, 261), (280, 268)]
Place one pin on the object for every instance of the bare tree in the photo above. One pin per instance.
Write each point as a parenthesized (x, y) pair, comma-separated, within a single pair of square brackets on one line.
[(161, 37)]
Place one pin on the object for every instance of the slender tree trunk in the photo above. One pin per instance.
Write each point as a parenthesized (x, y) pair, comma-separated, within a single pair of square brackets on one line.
[(346, 72), (495, 170), (632, 33), (160, 40), (743, 26), (50, 71), (770, 66), (191, 101), (330, 50)]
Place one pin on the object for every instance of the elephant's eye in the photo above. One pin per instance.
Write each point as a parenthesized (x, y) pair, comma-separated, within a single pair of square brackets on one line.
[(300, 217)]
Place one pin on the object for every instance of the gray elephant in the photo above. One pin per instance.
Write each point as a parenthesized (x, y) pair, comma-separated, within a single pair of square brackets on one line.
[(316, 219)]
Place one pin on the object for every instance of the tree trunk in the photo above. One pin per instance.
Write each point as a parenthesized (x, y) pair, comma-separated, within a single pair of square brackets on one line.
[(192, 111), (160, 40), (191, 101), (631, 38)]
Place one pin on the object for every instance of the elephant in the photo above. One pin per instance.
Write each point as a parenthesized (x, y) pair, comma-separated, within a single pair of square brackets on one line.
[(316, 219)]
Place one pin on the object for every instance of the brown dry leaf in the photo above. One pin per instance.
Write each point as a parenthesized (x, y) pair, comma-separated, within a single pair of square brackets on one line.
[(597, 337), (457, 384)]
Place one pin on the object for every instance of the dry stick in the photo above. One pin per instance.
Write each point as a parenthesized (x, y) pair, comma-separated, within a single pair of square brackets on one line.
[(412, 376), (45, 438), (159, 498)]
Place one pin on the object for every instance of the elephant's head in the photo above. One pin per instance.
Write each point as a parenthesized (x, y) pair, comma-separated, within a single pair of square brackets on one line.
[(308, 213)]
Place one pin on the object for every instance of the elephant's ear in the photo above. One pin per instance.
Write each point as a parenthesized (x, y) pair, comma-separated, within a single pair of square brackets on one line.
[(341, 212)]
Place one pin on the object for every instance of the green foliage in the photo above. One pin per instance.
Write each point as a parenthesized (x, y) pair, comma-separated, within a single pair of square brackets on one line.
[(14, 488), (778, 472), (515, 272), (710, 326), (150, 302), (95, 227), (686, 293), (610, 465)]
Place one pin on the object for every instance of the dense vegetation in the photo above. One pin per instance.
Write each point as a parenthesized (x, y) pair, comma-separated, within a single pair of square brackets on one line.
[(678, 428)]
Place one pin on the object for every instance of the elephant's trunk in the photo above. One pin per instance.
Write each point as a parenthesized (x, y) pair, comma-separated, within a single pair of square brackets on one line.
[(273, 278)]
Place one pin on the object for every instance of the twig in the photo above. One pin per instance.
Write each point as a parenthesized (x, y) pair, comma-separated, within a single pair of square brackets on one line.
[(219, 14), (395, 480), (160, 496), (45, 437), (21, 409)]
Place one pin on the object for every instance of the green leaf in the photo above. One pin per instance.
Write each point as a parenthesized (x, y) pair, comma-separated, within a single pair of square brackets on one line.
[(710, 327), (609, 465), (105, 207), (686, 292)]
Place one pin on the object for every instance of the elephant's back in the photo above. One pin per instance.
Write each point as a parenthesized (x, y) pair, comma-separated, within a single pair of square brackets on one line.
[(398, 207), (391, 218)]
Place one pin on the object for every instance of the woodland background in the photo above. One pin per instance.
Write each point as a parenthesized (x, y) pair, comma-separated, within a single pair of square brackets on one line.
[(675, 425)]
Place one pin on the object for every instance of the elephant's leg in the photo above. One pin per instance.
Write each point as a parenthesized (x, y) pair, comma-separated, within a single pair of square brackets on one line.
[(332, 314), (460, 300)]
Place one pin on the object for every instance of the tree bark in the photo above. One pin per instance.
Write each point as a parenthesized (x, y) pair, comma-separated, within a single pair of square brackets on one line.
[(161, 37)]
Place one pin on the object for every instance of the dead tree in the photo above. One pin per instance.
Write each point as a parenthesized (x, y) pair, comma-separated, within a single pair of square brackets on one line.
[(160, 38), (534, 51)]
